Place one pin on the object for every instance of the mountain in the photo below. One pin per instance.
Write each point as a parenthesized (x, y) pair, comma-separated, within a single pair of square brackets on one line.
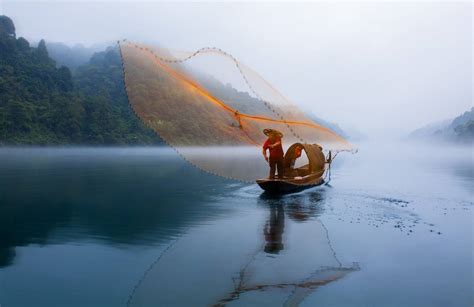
[(431, 129), (43, 104), (108, 117), (463, 126), (71, 57), (459, 129), (37, 101), (334, 127), (250, 104)]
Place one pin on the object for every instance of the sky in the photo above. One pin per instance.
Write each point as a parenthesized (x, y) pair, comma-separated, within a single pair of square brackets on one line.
[(383, 68)]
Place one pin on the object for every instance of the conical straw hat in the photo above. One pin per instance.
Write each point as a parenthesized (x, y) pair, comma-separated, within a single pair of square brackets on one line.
[(269, 132)]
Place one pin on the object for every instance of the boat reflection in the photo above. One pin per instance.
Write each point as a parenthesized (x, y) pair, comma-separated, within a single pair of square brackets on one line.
[(299, 208)]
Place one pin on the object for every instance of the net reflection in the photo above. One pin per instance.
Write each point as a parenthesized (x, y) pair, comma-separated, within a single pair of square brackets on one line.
[(309, 261), (296, 256), (277, 255)]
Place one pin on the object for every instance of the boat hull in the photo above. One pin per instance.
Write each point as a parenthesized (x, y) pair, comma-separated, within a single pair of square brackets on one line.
[(283, 186)]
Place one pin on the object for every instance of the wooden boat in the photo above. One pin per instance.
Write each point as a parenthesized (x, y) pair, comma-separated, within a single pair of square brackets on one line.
[(301, 178)]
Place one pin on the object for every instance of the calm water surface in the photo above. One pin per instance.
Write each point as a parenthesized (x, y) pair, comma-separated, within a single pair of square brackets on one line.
[(139, 227)]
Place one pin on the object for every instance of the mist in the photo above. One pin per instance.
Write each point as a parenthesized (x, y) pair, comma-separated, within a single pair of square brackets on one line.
[(384, 68)]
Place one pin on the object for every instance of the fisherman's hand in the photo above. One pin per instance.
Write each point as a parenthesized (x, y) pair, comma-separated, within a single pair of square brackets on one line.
[(266, 158)]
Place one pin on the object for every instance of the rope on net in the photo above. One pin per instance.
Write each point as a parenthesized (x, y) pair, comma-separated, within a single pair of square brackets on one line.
[(225, 106)]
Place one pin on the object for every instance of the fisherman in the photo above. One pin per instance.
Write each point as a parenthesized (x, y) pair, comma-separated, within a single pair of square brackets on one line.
[(296, 155), (290, 167), (274, 146)]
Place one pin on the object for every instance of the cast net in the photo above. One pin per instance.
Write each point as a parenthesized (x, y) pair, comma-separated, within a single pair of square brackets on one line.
[(212, 108)]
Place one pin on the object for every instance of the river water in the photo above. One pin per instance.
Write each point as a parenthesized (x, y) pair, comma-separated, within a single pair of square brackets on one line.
[(140, 227)]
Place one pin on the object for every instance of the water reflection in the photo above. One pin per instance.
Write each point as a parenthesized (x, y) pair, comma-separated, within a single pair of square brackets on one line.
[(464, 170), (117, 196), (280, 246), (295, 272), (298, 207), (273, 230), (138, 200)]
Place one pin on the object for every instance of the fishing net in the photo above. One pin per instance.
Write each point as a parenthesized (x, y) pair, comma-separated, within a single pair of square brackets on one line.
[(212, 108)]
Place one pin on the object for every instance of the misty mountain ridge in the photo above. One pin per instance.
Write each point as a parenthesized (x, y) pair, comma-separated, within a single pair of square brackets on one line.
[(460, 129), (352, 134), (71, 57), (247, 103)]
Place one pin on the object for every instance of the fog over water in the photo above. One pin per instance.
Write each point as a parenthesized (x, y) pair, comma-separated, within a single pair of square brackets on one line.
[(384, 68)]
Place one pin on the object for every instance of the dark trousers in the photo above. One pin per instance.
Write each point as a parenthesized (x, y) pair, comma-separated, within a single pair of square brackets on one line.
[(276, 164)]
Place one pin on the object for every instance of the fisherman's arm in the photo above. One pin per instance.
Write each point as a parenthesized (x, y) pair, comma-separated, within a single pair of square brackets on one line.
[(275, 144), (264, 152)]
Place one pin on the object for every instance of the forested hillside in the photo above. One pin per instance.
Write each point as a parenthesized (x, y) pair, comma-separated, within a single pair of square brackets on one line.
[(42, 104)]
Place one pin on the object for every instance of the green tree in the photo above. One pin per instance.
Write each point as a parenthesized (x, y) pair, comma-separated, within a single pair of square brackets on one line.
[(43, 104), (6, 26)]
